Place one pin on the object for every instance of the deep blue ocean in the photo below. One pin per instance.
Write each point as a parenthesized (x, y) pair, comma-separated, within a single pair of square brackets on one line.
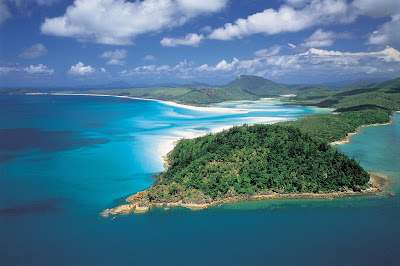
[(63, 159)]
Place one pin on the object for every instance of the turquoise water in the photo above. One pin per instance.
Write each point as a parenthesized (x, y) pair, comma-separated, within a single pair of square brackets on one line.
[(65, 158)]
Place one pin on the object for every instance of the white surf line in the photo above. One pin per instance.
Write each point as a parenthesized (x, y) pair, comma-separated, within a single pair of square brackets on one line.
[(189, 107)]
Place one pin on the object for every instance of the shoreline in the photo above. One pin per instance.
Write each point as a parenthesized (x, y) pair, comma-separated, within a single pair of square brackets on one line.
[(189, 107), (137, 204), (209, 108), (358, 131)]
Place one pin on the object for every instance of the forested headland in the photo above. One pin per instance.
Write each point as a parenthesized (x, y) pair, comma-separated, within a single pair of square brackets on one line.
[(250, 162)]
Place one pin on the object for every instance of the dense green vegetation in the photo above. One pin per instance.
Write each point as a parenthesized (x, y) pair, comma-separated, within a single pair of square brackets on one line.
[(266, 88), (370, 104), (256, 159), (384, 95), (287, 157), (194, 96), (16, 91), (205, 96), (333, 127)]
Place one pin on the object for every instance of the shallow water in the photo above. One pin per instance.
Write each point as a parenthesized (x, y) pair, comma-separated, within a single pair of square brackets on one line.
[(65, 158)]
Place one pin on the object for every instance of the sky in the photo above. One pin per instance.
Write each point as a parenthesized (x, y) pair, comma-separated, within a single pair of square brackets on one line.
[(47, 43)]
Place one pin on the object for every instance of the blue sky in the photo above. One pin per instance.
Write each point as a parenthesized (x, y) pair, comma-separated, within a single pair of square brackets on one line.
[(76, 42)]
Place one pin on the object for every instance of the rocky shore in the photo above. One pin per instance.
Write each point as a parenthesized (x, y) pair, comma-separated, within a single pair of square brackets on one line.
[(140, 203)]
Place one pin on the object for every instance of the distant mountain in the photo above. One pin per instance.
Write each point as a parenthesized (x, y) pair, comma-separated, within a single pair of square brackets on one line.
[(256, 85), (112, 85), (354, 83), (196, 84), (359, 83), (383, 96), (264, 88)]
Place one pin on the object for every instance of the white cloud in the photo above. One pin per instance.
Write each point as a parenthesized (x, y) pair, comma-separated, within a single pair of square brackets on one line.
[(291, 45), (315, 65), (81, 69), (39, 69), (388, 33), (274, 50), (183, 69), (221, 66), (297, 15), (322, 52), (320, 38), (34, 51), (196, 7), (103, 70), (22, 5), (206, 29), (375, 9), (163, 68), (191, 39), (149, 58), (389, 54), (115, 57), (5, 69), (286, 19), (119, 21)]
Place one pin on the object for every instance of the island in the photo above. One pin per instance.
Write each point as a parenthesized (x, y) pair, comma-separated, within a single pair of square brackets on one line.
[(251, 163)]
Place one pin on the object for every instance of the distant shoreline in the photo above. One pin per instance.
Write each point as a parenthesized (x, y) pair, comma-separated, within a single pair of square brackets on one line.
[(190, 107), (358, 131), (136, 202)]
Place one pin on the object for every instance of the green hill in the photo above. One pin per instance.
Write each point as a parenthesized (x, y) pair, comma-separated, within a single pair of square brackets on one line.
[(205, 96), (249, 162), (257, 86), (250, 159), (384, 95), (333, 127), (357, 107), (267, 88)]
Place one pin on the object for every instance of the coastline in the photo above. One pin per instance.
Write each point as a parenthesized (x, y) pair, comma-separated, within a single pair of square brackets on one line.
[(189, 107), (138, 203), (358, 131)]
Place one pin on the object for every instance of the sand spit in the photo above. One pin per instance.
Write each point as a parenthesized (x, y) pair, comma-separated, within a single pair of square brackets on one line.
[(189, 107)]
